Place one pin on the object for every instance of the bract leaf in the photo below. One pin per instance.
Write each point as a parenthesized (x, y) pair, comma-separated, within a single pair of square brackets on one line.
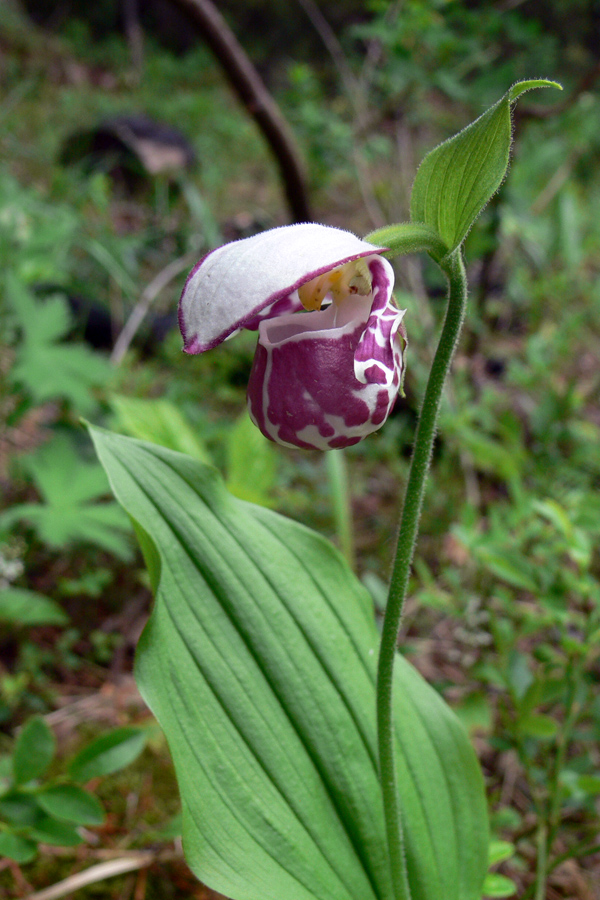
[(456, 180), (259, 663)]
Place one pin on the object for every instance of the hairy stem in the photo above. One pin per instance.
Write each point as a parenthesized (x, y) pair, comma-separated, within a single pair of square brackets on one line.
[(410, 237), (407, 537)]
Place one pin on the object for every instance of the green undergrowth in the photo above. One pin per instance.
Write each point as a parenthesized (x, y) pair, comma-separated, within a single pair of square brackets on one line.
[(503, 606)]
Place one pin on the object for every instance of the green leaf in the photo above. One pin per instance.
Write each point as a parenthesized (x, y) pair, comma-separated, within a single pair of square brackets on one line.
[(71, 489), (46, 368), (456, 180), (19, 808), (60, 370), (509, 566), (589, 784), (518, 674), (500, 851), (50, 831), (489, 455), (41, 322), (36, 236), (160, 422), (259, 662), (521, 87), (22, 607), (34, 750), (555, 514), (475, 712), (538, 725), (498, 886), (171, 830), (16, 847), (251, 463), (70, 803), (5, 772), (108, 753)]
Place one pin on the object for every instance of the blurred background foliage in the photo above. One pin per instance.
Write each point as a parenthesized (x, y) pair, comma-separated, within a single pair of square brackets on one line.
[(125, 157)]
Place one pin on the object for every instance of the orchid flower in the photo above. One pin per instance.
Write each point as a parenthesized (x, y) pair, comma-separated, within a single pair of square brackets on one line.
[(329, 359)]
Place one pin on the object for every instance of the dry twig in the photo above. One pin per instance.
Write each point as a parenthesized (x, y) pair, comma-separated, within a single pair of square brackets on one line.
[(140, 310), (133, 862)]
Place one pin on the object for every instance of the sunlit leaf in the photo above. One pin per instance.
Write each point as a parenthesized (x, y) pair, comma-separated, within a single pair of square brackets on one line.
[(498, 886), (500, 851)]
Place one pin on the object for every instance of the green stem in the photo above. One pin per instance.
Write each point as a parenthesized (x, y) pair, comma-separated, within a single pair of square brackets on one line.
[(589, 848), (457, 296), (575, 674), (578, 852), (541, 873), (551, 825), (337, 472)]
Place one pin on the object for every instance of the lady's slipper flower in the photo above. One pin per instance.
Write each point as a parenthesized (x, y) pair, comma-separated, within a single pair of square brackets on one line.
[(322, 377)]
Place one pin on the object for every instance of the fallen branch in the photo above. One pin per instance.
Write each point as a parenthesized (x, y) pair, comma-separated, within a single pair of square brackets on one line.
[(251, 90)]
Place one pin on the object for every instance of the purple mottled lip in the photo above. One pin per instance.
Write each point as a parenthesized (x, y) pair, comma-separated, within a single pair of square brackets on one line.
[(312, 384)]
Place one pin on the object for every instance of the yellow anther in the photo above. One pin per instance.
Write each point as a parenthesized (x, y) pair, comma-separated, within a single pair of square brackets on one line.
[(313, 292), (351, 278), (361, 282)]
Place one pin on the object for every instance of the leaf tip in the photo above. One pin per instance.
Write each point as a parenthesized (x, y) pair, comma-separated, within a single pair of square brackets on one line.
[(522, 86)]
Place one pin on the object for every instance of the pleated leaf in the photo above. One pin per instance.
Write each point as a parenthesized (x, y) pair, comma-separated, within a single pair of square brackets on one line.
[(259, 663)]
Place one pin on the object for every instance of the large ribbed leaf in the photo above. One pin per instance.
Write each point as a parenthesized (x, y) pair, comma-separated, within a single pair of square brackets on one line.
[(259, 663)]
